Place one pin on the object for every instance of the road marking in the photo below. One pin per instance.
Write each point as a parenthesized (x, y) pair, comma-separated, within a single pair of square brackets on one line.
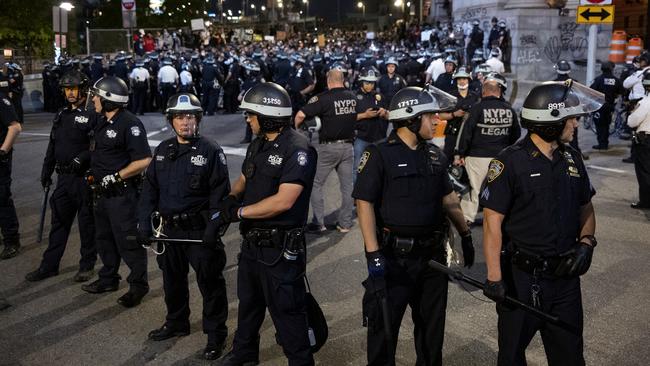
[(154, 133), (607, 169), (35, 134)]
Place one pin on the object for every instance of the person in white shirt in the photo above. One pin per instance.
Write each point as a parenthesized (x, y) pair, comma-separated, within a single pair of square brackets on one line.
[(634, 81), (495, 64), (140, 83), (436, 67), (167, 81), (187, 83), (639, 119)]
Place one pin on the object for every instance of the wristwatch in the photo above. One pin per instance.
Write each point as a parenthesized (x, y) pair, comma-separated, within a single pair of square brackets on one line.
[(591, 238)]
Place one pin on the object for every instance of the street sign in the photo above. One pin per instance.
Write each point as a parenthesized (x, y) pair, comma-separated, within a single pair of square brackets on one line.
[(59, 16), (595, 14), (595, 2)]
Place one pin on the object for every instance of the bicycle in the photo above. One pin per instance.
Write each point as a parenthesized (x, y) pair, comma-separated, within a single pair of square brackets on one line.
[(619, 117)]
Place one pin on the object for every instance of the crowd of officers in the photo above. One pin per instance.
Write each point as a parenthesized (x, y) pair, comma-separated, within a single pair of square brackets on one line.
[(179, 200)]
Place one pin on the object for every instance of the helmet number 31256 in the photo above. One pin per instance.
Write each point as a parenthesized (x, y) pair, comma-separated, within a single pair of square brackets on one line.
[(275, 101)]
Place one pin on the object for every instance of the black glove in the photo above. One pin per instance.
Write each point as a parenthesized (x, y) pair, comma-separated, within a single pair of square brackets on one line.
[(495, 290), (4, 156), (215, 227), (112, 184), (143, 238), (582, 262), (376, 264), (230, 209), (46, 178), (468, 249), (76, 165)]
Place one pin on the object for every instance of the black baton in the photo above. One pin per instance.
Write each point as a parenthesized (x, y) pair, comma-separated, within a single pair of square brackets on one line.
[(460, 276), (41, 223), (168, 240)]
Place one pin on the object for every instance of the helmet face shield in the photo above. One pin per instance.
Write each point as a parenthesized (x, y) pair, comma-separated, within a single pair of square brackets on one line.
[(411, 102), (590, 99), (186, 125)]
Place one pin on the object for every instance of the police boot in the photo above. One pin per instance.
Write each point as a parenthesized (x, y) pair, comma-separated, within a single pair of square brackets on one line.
[(214, 348), (230, 359), (84, 275), (97, 287), (11, 249), (167, 331), (40, 274), (132, 298)]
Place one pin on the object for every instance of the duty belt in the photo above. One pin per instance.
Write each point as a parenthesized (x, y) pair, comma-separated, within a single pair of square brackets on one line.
[(642, 138), (66, 168), (404, 245), (190, 221), (345, 141), (535, 264), (270, 238)]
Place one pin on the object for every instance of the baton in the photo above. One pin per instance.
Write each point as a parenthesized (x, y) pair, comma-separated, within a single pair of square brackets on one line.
[(460, 276), (388, 329), (41, 223), (153, 239)]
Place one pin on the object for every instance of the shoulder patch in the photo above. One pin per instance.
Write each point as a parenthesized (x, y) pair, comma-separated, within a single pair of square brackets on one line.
[(495, 169), (222, 158), (302, 158), (135, 131), (359, 96), (378, 97), (313, 99), (363, 161)]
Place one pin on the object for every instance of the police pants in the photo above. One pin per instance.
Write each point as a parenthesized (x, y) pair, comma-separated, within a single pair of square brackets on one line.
[(166, 91), (208, 263), (115, 219), (230, 93), (209, 99), (332, 156), (8, 219), (70, 198), (477, 169), (602, 120), (280, 288), (517, 328), (139, 100), (642, 169), (409, 281), (450, 146)]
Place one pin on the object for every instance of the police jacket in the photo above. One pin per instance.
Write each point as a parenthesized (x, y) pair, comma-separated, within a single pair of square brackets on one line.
[(406, 186), (609, 85), (371, 129), (184, 178), (388, 86), (299, 80), (337, 111), (414, 71), (289, 158), (462, 103), (491, 127), (96, 71), (7, 116), (118, 142), (282, 72), (210, 73), (70, 138), (445, 82), (540, 198), (476, 38)]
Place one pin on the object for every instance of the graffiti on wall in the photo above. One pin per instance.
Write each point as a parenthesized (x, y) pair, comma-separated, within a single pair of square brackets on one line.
[(567, 44), (473, 13)]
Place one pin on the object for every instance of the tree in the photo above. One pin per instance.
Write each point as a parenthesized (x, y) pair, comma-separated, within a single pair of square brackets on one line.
[(27, 27)]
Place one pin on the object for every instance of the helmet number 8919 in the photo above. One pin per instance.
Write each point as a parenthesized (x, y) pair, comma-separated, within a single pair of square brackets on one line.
[(552, 106)]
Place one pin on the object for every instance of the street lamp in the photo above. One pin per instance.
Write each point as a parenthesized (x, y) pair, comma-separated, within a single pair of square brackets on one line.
[(306, 2), (67, 6), (361, 5)]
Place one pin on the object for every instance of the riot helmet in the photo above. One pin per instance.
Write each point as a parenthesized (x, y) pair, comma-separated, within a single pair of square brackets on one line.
[(112, 92), (461, 73), (497, 78), (270, 103), (75, 79), (410, 103), (562, 67), (369, 74), (187, 106), (549, 105)]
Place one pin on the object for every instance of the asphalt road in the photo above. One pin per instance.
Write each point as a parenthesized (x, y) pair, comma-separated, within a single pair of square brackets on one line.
[(54, 322)]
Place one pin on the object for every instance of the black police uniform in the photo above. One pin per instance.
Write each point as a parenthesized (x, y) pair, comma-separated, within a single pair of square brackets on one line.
[(446, 82), (298, 80), (406, 187), (70, 138), (231, 88), (17, 89), (475, 41), (121, 71), (282, 71), (265, 278), (371, 130), (612, 87), (541, 201), (493, 39), (118, 142), (210, 98), (139, 88), (506, 47), (183, 183), (413, 73), (453, 125), (388, 86), (96, 71), (491, 127), (8, 219), (155, 102)]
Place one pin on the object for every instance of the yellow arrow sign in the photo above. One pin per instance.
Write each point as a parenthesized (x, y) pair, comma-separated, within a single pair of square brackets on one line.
[(595, 14)]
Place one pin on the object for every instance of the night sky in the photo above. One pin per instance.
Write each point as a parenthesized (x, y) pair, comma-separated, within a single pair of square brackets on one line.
[(324, 8)]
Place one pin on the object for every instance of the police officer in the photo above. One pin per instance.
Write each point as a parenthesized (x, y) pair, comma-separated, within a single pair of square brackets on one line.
[(68, 153), (505, 44), (494, 62), (465, 99), (445, 81), (282, 69), (97, 68), (10, 127), (390, 83), (271, 198), (436, 67), (475, 40), (479, 73), (167, 81), (121, 153), (211, 80), (337, 110), (140, 84), (639, 119), (492, 126), (612, 87), (300, 83), (231, 85), (186, 81), (414, 70), (16, 88), (537, 208), (253, 76), (153, 66), (372, 114), (563, 69), (402, 194), (187, 180)]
